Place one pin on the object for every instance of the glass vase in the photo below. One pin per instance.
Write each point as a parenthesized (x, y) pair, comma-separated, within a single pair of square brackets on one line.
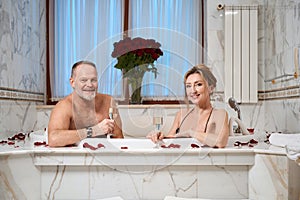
[(135, 81)]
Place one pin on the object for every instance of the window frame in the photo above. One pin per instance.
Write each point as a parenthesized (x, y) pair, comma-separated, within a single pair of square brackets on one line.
[(50, 48)]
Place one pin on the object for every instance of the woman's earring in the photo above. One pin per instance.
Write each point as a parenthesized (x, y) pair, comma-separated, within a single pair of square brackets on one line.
[(210, 89)]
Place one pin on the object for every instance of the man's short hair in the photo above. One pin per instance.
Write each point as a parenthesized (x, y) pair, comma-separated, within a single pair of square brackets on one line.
[(79, 63)]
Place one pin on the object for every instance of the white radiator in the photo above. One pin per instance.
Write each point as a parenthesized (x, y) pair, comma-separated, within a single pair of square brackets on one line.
[(241, 65)]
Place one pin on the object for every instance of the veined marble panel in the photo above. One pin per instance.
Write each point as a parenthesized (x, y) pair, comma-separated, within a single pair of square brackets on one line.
[(283, 115), (19, 178), (16, 116), (270, 189), (22, 63), (23, 45), (282, 29), (136, 182)]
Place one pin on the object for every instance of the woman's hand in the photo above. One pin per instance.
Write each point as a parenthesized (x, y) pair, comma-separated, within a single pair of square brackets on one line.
[(155, 136)]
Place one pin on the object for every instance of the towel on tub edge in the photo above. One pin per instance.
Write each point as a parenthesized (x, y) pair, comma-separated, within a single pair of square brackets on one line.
[(291, 142), (282, 140)]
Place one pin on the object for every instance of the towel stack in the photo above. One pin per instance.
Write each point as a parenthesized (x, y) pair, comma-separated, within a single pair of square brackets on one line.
[(289, 141)]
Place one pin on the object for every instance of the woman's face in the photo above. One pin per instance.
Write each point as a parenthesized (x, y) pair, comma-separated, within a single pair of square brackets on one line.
[(196, 89)]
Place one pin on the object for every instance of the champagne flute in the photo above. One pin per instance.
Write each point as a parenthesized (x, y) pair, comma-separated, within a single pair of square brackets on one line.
[(111, 114), (157, 118), (158, 122)]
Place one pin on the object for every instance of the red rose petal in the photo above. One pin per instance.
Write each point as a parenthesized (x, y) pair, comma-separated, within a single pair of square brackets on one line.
[(195, 146)]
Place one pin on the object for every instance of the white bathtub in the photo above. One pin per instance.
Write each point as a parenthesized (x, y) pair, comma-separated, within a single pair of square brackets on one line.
[(141, 144), (40, 172)]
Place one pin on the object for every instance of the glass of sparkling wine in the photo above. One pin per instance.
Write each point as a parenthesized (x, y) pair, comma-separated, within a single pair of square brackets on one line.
[(157, 118)]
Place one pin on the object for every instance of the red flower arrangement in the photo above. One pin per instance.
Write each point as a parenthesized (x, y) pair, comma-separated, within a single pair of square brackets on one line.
[(137, 52)]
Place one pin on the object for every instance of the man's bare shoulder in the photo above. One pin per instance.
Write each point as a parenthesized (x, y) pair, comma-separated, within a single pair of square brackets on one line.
[(103, 98), (61, 113), (65, 104)]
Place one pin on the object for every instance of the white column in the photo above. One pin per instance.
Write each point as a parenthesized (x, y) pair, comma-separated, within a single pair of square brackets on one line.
[(245, 55), (237, 68), (253, 56), (228, 58)]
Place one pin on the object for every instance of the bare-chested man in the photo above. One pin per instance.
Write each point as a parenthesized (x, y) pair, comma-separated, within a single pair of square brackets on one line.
[(84, 113)]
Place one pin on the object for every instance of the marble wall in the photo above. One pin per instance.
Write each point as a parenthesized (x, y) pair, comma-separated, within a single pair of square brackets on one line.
[(278, 108), (22, 63), (282, 30)]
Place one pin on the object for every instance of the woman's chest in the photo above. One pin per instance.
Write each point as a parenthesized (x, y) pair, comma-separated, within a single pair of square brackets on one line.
[(195, 121)]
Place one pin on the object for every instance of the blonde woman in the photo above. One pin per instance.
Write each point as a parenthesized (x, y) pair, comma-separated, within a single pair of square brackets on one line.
[(207, 124)]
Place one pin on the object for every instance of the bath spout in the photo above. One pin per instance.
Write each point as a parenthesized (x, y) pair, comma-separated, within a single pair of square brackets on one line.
[(242, 129), (234, 105)]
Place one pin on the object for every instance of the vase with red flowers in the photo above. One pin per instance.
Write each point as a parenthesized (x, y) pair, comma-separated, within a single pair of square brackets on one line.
[(135, 57)]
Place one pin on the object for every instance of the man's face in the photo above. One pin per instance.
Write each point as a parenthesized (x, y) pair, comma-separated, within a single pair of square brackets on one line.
[(85, 81)]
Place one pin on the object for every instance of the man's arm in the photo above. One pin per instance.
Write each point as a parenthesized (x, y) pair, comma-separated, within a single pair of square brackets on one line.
[(58, 127), (117, 133), (118, 127)]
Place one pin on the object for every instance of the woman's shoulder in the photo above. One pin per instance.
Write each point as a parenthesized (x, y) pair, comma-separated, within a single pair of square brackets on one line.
[(220, 112), (184, 111)]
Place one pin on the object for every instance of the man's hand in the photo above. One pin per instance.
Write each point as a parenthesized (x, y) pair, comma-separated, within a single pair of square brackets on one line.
[(104, 127)]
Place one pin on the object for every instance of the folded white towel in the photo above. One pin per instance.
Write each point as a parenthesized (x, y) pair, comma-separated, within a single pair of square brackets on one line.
[(282, 140), (293, 153), (291, 142)]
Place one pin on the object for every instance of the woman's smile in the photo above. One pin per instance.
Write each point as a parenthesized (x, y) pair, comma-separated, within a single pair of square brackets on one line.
[(195, 95)]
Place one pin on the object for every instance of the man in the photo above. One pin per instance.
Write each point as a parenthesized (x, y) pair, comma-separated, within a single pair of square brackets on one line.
[(84, 113)]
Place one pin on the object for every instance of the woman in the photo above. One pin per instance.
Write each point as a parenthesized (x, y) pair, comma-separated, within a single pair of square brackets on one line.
[(203, 122)]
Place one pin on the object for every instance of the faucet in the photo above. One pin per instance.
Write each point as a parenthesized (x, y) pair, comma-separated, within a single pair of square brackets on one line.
[(233, 104), (241, 128)]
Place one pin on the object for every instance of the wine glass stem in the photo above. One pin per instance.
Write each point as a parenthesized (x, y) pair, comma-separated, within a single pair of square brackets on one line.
[(157, 127)]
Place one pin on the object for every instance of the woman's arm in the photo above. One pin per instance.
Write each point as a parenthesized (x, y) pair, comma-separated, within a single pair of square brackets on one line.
[(217, 131), (175, 125)]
